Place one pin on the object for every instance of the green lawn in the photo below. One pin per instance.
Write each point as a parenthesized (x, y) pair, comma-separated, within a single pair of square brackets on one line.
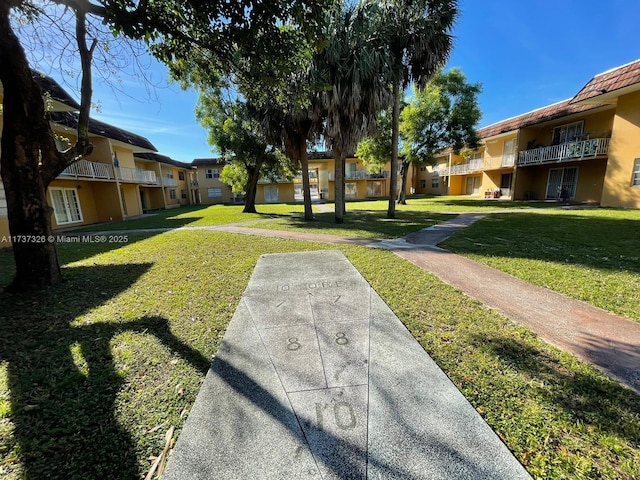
[(360, 223), (197, 216), (94, 372), (590, 254)]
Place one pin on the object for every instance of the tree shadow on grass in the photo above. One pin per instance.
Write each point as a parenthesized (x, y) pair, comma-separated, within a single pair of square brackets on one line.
[(375, 222), (62, 379), (583, 395), (70, 252), (590, 241)]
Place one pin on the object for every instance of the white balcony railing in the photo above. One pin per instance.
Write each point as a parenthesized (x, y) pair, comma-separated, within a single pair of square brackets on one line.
[(592, 148), (275, 180), (360, 175), (169, 182), (87, 169), (136, 175)]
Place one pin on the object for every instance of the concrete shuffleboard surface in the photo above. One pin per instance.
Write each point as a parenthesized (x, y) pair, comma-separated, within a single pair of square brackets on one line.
[(317, 378)]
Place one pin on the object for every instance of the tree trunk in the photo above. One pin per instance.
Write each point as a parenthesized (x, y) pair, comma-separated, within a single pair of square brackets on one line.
[(395, 122), (28, 150), (306, 191), (339, 207), (251, 188), (402, 195)]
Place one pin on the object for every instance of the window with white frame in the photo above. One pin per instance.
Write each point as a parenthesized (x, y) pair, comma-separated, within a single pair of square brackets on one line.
[(509, 153), (172, 194), (635, 181), (214, 192), (180, 175), (350, 190), (66, 206), (212, 173), (567, 133), (435, 182), (169, 173), (183, 193)]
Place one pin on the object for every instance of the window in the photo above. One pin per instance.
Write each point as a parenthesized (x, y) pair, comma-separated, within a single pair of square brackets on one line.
[(3, 202), (212, 173), (172, 194), (562, 183), (509, 153), (423, 184), (214, 192), (567, 133), (183, 194), (636, 173), (271, 193), (169, 173), (374, 189), (66, 206), (435, 182), (423, 168), (350, 190), (180, 175)]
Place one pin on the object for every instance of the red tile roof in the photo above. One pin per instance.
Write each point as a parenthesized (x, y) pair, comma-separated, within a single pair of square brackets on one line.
[(544, 114), (610, 81)]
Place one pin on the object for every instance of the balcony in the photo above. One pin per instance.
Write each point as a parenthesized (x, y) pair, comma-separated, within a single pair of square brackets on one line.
[(87, 169), (360, 175), (169, 182), (464, 168), (275, 180), (137, 175), (564, 152)]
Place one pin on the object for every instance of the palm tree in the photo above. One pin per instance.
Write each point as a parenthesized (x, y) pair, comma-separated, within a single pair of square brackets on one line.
[(416, 34), (352, 68)]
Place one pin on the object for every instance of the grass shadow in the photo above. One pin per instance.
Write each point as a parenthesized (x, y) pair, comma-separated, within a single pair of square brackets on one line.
[(62, 379), (70, 252), (584, 396), (593, 241), (171, 218), (372, 224)]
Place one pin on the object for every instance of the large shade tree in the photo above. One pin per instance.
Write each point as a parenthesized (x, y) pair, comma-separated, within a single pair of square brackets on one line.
[(255, 36), (417, 34), (351, 66), (236, 131), (445, 114)]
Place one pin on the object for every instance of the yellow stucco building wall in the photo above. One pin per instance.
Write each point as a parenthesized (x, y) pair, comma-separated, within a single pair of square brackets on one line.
[(624, 149)]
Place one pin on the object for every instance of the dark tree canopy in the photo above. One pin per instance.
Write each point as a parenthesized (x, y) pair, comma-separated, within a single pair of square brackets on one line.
[(260, 40)]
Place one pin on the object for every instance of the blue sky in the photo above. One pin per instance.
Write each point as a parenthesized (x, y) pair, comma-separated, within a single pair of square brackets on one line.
[(526, 53)]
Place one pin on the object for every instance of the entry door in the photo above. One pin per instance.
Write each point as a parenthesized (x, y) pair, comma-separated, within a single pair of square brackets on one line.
[(143, 200), (562, 183), (473, 185), (505, 184)]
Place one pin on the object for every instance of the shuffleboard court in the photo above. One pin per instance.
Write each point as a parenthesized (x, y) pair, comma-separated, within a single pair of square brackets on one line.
[(317, 378)]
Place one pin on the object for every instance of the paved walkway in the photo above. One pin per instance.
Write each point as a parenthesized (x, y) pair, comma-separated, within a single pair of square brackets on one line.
[(609, 342)]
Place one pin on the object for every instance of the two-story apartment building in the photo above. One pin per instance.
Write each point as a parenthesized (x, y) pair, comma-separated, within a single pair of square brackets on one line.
[(176, 185), (122, 177), (584, 149), (360, 183), (208, 188)]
